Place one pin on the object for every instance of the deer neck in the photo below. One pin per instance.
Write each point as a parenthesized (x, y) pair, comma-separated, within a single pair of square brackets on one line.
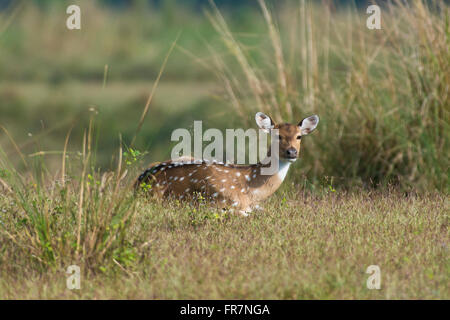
[(262, 186)]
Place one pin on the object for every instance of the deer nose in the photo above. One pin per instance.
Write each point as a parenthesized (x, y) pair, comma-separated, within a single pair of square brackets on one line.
[(291, 153)]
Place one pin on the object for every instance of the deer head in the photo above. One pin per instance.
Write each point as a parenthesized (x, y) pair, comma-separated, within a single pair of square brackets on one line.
[(289, 135)]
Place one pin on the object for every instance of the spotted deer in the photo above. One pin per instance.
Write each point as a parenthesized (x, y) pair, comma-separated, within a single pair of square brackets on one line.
[(237, 187)]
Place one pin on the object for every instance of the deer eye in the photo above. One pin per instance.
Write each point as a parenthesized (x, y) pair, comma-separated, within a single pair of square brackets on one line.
[(299, 137)]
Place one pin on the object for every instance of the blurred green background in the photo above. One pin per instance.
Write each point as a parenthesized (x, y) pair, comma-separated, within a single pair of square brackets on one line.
[(51, 78)]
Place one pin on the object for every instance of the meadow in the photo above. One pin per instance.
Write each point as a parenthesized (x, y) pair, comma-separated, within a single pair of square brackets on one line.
[(303, 246), (82, 113)]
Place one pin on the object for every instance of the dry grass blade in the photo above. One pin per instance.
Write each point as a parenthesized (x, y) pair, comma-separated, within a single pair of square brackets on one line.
[(221, 27), (63, 165), (276, 44), (155, 85), (15, 145), (81, 195)]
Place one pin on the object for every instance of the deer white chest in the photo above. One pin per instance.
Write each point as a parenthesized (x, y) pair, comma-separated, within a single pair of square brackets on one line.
[(271, 183), (283, 169)]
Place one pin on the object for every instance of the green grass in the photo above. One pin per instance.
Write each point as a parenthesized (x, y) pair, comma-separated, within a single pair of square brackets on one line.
[(302, 246)]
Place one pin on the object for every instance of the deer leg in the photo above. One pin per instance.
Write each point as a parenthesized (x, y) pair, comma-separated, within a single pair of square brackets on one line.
[(243, 213), (258, 207)]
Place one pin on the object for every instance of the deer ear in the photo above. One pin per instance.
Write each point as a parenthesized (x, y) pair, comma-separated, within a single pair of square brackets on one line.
[(264, 121), (308, 125)]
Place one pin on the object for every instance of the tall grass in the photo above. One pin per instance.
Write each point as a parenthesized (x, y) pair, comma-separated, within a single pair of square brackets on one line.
[(382, 95), (77, 216)]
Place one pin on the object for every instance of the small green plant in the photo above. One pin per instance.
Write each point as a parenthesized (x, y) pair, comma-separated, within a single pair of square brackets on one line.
[(330, 185), (126, 256), (132, 156), (199, 197), (145, 186), (284, 202), (4, 173), (91, 180), (221, 215)]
